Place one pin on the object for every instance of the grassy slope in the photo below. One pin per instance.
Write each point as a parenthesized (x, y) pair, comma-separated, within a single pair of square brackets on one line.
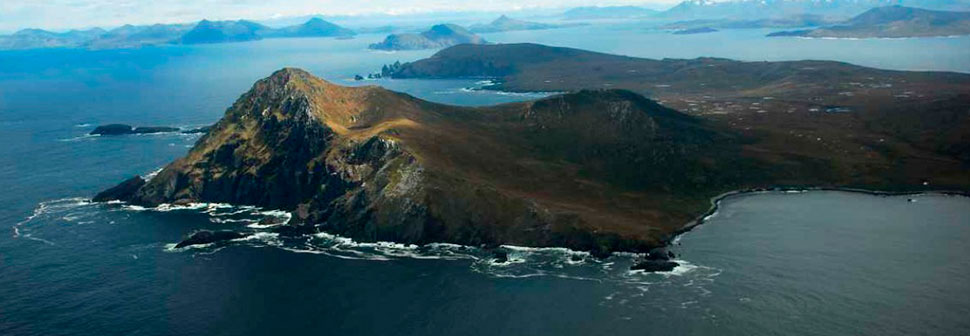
[(902, 128), (593, 170)]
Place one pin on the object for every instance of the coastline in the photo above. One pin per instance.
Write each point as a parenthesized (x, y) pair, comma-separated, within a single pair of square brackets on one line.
[(878, 38), (716, 201), (667, 242)]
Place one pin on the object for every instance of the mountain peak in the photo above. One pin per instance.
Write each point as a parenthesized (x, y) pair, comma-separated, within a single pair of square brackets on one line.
[(289, 73)]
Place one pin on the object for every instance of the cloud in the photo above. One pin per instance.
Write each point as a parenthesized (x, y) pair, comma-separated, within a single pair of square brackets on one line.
[(65, 14)]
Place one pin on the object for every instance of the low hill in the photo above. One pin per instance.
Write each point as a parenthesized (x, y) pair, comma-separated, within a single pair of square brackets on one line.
[(314, 27), (223, 31), (439, 36)]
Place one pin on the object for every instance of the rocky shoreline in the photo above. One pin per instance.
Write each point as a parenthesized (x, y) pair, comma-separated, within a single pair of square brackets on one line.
[(659, 259)]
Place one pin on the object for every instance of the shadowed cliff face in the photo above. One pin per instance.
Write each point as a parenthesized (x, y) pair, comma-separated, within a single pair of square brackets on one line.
[(596, 170)]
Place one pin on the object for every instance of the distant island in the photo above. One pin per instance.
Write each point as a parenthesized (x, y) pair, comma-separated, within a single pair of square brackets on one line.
[(607, 12), (205, 31), (785, 22), (691, 31), (439, 36), (893, 22), (505, 23), (776, 9)]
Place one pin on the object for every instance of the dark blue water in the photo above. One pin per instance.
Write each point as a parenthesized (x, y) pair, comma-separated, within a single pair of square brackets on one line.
[(819, 263)]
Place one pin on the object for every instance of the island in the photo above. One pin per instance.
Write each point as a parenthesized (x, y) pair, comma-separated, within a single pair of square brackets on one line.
[(691, 31), (892, 22), (598, 170), (805, 20), (607, 12), (775, 9), (222, 31), (505, 23), (124, 129), (439, 36)]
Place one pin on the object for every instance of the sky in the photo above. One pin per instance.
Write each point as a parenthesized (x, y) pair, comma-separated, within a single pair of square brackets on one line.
[(66, 14)]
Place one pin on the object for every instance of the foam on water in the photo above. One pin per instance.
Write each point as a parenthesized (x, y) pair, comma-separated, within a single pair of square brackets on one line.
[(56, 207), (522, 262)]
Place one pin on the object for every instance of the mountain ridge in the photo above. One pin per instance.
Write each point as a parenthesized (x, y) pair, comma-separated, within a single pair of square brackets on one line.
[(592, 170), (205, 31), (373, 164)]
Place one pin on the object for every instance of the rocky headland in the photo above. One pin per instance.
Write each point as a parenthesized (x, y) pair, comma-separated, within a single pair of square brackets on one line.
[(593, 170)]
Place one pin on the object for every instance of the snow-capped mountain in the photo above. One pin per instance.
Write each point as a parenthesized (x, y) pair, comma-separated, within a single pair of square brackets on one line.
[(736, 9)]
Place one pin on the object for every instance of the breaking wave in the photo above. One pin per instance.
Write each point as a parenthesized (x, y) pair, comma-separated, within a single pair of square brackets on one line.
[(257, 223)]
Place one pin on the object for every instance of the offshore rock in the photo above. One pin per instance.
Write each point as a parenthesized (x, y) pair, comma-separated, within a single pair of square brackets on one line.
[(209, 237)]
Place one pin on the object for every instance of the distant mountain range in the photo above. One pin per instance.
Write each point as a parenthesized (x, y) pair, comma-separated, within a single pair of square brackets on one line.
[(894, 22), (751, 9), (439, 36), (205, 31), (38, 38), (505, 23)]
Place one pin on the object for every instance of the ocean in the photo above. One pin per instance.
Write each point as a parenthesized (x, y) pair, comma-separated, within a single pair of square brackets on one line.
[(813, 263)]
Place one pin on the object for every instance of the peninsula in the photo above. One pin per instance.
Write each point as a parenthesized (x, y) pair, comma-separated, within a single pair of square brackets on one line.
[(593, 170)]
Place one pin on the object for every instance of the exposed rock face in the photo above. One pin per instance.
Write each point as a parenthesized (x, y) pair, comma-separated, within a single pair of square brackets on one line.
[(209, 237), (654, 266), (112, 129), (576, 170), (122, 129), (124, 191)]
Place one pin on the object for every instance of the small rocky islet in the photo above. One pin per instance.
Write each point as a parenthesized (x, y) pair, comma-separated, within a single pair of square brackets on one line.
[(125, 129)]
